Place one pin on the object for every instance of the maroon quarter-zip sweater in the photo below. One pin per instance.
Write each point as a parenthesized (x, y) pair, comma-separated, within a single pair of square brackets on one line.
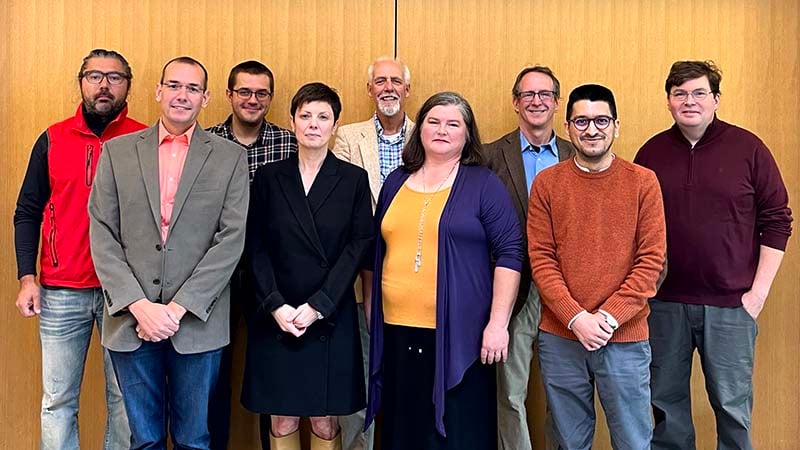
[(723, 199)]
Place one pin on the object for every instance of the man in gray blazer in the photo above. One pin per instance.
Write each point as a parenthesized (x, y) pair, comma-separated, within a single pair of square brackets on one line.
[(375, 145), (516, 158), (167, 217)]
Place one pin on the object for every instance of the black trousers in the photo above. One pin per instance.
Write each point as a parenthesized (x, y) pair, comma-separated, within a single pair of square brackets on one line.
[(470, 417)]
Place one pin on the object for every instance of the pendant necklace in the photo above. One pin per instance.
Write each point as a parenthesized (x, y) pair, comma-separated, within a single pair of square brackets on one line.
[(425, 203)]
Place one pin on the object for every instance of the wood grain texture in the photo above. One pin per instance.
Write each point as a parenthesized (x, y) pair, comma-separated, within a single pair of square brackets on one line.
[(476, 47), (300, 40), (471, 46)]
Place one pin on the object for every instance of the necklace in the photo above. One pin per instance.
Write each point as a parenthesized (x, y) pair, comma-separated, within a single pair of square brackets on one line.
[(425, 203)]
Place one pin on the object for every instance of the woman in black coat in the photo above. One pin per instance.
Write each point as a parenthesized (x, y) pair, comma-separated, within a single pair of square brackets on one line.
[(309, 229)]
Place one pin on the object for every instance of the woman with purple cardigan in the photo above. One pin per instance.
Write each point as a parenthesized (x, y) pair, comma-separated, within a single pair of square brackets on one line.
[(446, 273)]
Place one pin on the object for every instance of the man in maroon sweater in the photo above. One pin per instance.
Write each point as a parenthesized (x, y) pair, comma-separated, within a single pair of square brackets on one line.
[(728, 222)]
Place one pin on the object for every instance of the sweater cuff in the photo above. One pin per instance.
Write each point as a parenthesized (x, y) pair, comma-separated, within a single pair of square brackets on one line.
[(774, 240), (621, 308), (564, 308)]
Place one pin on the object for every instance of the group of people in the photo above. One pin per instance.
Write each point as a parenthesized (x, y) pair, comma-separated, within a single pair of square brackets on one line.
[(408, 273)]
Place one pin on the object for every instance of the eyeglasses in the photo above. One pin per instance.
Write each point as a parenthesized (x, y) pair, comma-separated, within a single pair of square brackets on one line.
[(697, 94), (96, 77), (544, 96), (245, 93), (190, 88), (600, 122)]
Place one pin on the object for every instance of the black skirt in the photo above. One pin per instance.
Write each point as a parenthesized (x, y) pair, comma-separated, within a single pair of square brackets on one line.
[(470, 416)]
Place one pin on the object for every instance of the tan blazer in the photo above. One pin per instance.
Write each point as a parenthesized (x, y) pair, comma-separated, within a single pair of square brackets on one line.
[(357, 143), (206, 236)]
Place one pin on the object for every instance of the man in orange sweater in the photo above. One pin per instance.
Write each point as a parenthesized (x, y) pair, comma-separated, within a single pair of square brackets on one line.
[(597, 243)]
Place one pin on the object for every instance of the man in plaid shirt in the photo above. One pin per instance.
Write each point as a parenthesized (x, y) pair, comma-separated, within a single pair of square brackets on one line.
[(250, 91)]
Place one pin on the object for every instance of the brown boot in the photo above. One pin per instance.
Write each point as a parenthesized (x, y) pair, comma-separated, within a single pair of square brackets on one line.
[(317, 443), (288, 442)]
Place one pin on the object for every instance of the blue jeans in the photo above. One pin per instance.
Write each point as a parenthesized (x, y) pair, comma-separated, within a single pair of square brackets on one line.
[(725, 338), (621, 372), (162, 386), (65, 330)]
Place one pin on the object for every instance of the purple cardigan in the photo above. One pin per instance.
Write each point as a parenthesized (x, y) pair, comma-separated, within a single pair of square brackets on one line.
[(478, 225)]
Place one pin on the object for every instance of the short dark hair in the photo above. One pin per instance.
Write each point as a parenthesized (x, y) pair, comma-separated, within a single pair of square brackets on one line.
[(471, 154), (186, 60), (540, 69), (253, 68), (683, 71), (317, 92), (103, 53), (593, 93)]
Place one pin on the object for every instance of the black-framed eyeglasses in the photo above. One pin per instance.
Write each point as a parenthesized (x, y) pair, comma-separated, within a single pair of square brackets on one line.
[(697, 94), (600, 122), (96, 77), (190, 88), (245, 93), (544, 96)]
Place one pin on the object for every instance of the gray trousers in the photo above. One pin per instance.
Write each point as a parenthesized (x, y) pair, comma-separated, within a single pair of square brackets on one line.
[(725, 340), (353, 438), (619, 371), (513, 377)]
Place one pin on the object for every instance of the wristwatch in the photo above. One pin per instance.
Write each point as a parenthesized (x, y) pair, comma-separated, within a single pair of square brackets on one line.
[(320, 316), (610, 320)]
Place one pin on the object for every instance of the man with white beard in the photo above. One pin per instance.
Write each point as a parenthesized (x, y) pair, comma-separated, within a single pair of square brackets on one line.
[(376, 145)]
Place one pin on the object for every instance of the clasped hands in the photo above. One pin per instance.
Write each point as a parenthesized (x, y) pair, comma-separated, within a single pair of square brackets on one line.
[(295, 321), (592, 330), (155, 321)]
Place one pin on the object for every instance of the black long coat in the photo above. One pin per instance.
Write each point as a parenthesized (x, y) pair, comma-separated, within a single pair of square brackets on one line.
[(306, 249)]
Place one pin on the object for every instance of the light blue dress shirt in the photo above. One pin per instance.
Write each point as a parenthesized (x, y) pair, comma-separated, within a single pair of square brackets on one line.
[(535, 159)]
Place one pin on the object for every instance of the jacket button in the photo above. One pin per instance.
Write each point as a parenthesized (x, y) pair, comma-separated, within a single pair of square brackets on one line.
[(323, 264), (158, 247), (323, 338), (156, 281)]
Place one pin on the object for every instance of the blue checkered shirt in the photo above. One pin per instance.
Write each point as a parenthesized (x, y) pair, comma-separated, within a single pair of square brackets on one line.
[(273, 144), (390, 153)]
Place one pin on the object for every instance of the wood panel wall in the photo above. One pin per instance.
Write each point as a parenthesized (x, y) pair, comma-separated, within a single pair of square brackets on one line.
[(477, 47), (471, 46)]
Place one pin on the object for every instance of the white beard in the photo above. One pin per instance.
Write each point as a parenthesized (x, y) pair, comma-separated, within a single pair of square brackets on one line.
[(389, 109)]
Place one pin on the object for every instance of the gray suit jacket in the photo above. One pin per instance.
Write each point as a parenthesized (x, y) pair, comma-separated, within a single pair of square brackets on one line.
[(504, 158), (357, 144), (206, 236)]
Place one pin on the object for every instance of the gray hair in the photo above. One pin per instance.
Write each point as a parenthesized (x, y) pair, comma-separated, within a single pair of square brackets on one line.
[(406, 71)]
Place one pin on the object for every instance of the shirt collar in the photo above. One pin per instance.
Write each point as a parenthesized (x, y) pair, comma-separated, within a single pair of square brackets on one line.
[(524, 144), (164, 134), (262, 133), (379, 127)]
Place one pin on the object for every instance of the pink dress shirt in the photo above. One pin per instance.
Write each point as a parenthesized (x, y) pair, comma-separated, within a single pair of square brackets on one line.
[(172, 151)]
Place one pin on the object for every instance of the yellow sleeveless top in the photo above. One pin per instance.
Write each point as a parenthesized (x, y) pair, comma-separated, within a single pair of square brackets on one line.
[(409, 296)]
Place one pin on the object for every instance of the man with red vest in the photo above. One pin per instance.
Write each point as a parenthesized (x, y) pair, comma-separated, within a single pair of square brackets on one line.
[(67, 297)]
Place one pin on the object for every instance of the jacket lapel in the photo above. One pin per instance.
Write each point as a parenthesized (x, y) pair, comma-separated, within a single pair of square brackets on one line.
[(199, 149), (147, 150), (292, 187), (565, 149), (368, 146), (513, 157)]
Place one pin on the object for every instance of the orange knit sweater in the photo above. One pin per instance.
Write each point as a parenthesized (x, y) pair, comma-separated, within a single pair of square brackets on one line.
[(596, 241)]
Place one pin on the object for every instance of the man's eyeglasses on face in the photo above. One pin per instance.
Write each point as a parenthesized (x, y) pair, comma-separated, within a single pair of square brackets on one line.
[(544, 96), (600, 122), (96, 77), (245, 93), (697, 94), (190, 88)]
